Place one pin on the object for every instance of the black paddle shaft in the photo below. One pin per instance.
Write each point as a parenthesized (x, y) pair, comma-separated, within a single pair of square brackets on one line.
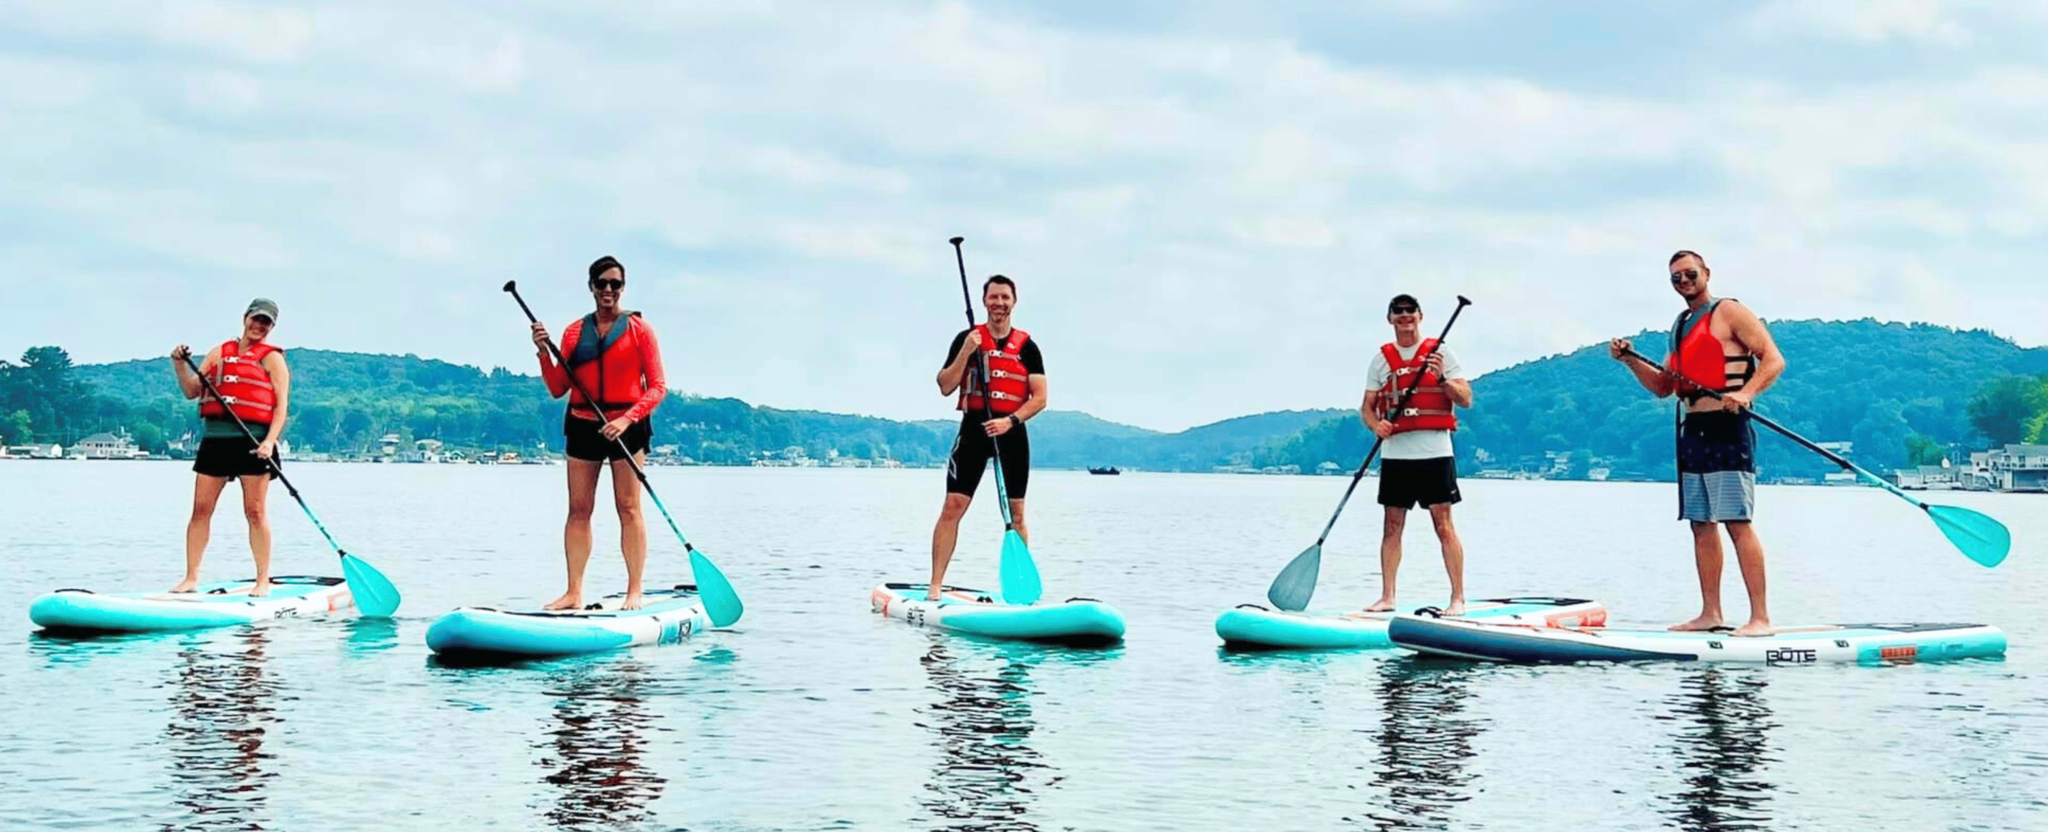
[(1394, 413), (987, 395), (512, 287)]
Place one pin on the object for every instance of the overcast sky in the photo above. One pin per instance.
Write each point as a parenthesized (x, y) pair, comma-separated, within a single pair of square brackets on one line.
[(1206, 206)]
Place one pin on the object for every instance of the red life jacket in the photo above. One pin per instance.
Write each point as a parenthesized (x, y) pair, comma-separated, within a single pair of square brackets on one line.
[(615, 368), (1697, 357), (1429, 407), (242, 381), (1009, 381)]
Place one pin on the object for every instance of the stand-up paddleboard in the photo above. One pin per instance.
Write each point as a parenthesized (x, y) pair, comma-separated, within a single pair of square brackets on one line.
[(1816, 644), (670, 616), (217, 604), (1077, 621), (1254, 627)]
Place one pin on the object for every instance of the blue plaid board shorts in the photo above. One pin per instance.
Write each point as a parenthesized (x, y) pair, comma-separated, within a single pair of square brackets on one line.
[(1717, 467)]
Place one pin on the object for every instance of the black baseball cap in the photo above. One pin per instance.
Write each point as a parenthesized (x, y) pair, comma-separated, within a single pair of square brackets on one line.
[(1404, 300)]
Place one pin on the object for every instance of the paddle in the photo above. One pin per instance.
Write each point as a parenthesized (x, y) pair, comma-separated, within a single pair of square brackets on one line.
[(374, 595), (1297, 582), (1017, 574), (721, 602), (1980, 538)]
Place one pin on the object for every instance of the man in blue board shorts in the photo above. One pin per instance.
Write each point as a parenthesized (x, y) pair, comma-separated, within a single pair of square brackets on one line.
[(1417, 466), (1720, 345), (1014, 392)]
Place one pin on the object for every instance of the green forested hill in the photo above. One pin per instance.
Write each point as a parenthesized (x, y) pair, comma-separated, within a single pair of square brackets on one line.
[(1882, 386)]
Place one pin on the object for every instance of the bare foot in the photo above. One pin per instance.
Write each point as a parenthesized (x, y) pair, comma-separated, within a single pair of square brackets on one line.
[(1755, 627), (633, 601), (186, 585), (568, 601), (1384, 604), (1700, 624), (260, 589), (1456, 608)]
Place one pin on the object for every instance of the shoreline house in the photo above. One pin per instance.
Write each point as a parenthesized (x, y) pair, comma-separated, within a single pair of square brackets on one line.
[(105, 445), (2011, 468)]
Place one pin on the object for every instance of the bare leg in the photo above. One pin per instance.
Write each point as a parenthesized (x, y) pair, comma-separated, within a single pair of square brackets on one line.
[(1390, 557), (205, 493), (1454, 556), (254, 489), (632, 527), (576, 531), (945, 534), (1706, 554), (1017, 519), (1749, 555)]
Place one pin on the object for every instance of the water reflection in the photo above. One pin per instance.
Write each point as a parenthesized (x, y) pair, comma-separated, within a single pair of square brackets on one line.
[(982, 725), (596, 752), (1722, 750), (1425, 745), (223, 705), (371, 635)]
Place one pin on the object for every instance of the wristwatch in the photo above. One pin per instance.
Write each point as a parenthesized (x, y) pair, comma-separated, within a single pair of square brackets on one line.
[(1016, 422)]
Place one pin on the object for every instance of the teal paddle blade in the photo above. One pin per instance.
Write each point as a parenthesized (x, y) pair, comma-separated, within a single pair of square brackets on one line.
[(1019, 575), (374, 594), (1981, 538), (1297, 583), (721, 602)]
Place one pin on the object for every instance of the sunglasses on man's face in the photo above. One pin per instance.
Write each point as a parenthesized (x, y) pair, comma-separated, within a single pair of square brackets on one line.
[(262, 319), (1681, 277), (612, 283), (1404, 310)]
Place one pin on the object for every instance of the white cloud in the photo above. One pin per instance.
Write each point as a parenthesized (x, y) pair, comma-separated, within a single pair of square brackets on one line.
[(1864, 21), (780, 180)]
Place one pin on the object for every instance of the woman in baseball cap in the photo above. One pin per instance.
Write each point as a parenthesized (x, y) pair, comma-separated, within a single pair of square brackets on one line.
[(254, 386)]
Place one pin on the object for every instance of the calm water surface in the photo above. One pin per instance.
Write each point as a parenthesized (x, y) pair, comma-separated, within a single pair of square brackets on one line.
[(815, 714)]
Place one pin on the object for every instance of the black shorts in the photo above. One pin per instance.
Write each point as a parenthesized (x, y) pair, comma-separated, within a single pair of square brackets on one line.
[(230, 456), (582, 441), (1406, 483), (971, 450)]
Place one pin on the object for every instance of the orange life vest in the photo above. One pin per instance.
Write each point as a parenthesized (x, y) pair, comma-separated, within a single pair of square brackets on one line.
[(1429, 407), (1697, 357), (1009, 381), (616, 368), (240, 379)]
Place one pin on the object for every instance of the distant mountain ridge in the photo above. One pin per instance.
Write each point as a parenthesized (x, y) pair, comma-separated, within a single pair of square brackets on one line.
[(1875, 384)]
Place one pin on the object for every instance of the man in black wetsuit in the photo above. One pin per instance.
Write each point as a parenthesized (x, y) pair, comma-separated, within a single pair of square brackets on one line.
[(1014, 392)]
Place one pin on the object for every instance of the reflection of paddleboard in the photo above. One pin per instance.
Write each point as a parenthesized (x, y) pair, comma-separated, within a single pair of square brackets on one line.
[(1078, 621), (669, 617), (1859, 643), (217, 604), (1253, 627)]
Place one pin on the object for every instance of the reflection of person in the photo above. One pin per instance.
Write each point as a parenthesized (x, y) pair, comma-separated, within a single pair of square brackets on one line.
[(597, 753), (251, 376), (1416, 462), (1720, 345), (1721, 748), (1014, 393), (613, 353), (1425, 744), (982, 725), (221, 711)]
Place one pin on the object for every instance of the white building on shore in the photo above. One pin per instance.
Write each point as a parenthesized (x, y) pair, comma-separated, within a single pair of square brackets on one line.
[(2011, 468)]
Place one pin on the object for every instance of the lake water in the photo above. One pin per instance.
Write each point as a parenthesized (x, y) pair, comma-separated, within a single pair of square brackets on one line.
[(813, 713)]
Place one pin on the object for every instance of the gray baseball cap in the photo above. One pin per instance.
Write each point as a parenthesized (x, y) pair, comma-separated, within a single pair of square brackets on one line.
[(262, 305)]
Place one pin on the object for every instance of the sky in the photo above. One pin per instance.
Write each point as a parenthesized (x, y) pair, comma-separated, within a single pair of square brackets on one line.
[(1206, 206)]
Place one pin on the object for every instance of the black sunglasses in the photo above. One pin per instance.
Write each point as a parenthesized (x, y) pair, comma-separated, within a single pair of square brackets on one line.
[(613, 283), (1403, 310), (262, 319), (1688, 274)]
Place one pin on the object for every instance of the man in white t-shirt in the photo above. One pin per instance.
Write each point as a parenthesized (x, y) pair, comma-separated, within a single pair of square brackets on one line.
[(1416, 462)]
